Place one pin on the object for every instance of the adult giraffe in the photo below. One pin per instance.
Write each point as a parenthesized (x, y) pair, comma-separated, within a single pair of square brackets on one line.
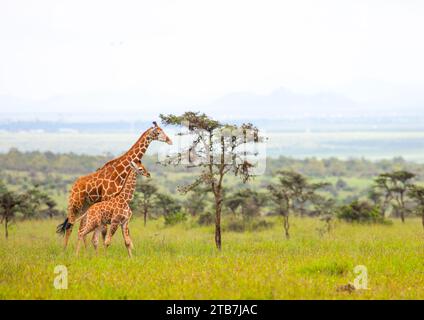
[(107, 181)]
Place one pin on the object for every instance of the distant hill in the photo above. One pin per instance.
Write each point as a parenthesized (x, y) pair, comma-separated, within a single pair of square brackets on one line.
[(136, 106)]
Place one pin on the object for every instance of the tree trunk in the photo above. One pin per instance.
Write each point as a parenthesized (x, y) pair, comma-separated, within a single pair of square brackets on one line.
[(422, 216), (384, 207), (286, 226), (402, 208), (6, 227), (145, 215), (218, 208)]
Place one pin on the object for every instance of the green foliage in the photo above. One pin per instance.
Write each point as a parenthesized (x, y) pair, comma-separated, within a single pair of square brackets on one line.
[(360, 211), (393, 186), (174, 218), (170, 208), (294, 192), (31, 204), (36, 203), (325, 209), (250, 203), (37, 161), (144, 196), (416, 193), (54, 173), (242, 225), (194, 120), (196, 201), (11, 204), (206, 218), (215, 150)]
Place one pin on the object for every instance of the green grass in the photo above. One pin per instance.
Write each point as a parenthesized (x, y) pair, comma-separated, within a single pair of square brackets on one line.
[(180, 262)]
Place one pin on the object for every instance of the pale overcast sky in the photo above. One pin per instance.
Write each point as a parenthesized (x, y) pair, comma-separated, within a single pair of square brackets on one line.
[(201, 50)]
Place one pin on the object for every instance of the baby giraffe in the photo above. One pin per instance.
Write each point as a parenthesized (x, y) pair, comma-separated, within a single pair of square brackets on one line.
[(115, 212)]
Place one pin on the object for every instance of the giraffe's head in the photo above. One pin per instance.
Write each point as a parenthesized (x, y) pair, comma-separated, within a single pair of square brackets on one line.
[(159, 134), (139, 168)]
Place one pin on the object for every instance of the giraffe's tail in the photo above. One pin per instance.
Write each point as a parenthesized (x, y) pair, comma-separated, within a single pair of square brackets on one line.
[(61, 228)]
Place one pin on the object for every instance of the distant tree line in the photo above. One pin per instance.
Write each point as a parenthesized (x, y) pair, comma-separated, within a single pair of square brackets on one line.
[(292, 186), (71, 163), (31, 204)]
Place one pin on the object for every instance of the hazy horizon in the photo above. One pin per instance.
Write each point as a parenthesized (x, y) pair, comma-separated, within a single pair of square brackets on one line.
[(266, 59), (325, 78)]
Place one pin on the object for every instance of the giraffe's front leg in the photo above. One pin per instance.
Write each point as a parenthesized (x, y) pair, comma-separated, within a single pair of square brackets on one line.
[(82, 226), (85, 229), (110, 233), (75, 206), (127, 239)]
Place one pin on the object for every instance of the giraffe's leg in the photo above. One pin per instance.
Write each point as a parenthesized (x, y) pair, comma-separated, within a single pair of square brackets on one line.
[(110, 233), (95, 239), (75, 205), (67, 235), (127, 239), (85, 229), (104, 232), (82, 226), (78, 247)]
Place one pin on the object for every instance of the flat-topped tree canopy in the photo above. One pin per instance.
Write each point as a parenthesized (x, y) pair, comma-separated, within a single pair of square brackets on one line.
[(194, 120), (219, 149)]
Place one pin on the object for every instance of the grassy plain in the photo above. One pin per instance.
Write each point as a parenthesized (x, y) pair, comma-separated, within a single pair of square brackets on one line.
[(180, 262)]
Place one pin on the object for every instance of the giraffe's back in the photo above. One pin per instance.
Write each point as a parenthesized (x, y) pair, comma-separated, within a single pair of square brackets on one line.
[(97, 186), (106, 211)]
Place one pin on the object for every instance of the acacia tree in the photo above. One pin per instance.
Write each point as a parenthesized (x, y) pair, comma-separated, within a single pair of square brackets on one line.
[(281, 197), (217, 149), (249, 201), (145, 192), (51, 210), (293, 192), (395, 186), (375, 195), (36, 202), (382, 190), (325, 208), (416, 193), (10, 204)]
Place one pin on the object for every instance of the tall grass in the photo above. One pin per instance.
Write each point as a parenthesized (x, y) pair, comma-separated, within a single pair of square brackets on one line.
[(180, 262)]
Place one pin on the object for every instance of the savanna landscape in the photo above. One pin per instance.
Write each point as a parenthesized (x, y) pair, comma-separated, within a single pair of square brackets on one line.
[(338, 215), (181, 153)]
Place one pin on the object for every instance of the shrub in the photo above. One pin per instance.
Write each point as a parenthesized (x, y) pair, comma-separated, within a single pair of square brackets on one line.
[(360, 211), (175, 218), (242, 225), (205, 218)]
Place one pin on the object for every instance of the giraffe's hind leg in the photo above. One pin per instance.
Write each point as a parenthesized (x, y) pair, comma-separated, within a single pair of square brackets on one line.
[(104, 232), (95, 239), (127, 239)]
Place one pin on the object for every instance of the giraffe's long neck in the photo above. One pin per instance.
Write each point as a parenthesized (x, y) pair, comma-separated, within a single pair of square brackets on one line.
[(128, 189), (137, 151)]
